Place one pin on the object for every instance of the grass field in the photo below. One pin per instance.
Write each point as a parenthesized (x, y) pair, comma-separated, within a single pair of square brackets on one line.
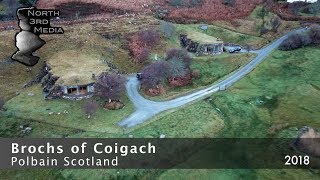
[(37, 109), (283, 89)]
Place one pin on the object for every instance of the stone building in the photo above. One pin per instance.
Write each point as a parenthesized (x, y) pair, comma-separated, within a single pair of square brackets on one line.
[(201, 44), (75, 74)]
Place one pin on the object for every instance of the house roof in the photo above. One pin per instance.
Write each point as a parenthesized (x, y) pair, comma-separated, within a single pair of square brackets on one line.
[(75, 68), (203, 38)]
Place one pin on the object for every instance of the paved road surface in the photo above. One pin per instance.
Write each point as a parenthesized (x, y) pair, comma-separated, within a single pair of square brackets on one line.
[(146, 109)]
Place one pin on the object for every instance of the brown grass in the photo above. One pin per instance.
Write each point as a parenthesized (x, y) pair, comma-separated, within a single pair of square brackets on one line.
[(132, 5), (75, 68)]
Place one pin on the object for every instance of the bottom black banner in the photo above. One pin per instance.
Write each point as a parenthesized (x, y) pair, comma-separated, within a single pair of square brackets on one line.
[(161, 153)]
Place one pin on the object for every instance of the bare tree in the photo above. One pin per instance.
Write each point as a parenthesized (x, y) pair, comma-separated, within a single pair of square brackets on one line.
[(178, 68), (295, 41), (179, 54), (167, 28), (110, 86), (144, 55), (314, 35), (149, 37), (276, 23), (154, 74), (90, 107)]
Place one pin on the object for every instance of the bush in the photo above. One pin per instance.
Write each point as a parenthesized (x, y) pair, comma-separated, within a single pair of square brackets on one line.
[(178, 68), (179, 54), (90, 107), (314, 34), (196, 73), (167, 28), (295, 7), (154, 74), (276, 23), (141, 43), (299, 40), (295, 41), (143, 55), (149, 38), (110, 86)]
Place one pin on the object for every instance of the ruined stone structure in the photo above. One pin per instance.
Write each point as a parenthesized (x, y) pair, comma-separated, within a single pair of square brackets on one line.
[(72, 75), (77, 92), (201, 44)]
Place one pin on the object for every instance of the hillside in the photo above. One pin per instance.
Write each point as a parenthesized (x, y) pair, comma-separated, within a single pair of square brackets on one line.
[(178, 10)]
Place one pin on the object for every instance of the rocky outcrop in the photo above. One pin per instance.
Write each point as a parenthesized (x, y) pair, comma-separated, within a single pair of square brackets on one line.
[(308, 141)]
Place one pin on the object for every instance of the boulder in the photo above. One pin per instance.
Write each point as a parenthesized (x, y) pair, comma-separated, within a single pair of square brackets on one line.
[(162, 136)]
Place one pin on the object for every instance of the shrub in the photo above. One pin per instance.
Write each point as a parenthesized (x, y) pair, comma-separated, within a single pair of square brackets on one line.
[(196, 73), (295, 41), (140, 42), (314, 34), (110, 86), (295, 7), (178, 68), (143, 55), (149, 37), (90, 107), (314, 8), (179, 54), (275, 23), (167, 28), (154, 74)]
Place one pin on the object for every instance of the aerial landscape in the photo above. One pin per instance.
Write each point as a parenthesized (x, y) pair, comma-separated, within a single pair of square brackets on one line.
[(163, 69)]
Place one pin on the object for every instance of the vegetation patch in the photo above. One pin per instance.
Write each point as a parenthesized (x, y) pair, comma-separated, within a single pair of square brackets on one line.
[(227, 36), (211, 69), (66, 113)]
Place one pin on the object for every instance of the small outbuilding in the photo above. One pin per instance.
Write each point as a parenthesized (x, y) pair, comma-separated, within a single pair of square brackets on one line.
[(201, 44)]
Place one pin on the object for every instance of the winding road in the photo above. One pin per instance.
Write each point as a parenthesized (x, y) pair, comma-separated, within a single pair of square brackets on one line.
[(146, 109)]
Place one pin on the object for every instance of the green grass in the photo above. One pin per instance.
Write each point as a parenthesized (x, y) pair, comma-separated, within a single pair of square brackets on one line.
[(212, 69), (226, 35), (285, 88), (37, 109)]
